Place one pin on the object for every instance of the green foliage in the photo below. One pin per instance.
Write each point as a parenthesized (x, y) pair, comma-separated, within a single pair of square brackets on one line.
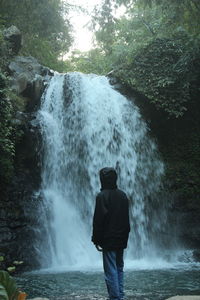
[(92, 61), (105, 22), (1, 37), (44, 26), (43, 50), (8, 288), (18, 102), (4, 53), (164, 72), (154, 49), (7, 148), (10, 133), (11, 269)]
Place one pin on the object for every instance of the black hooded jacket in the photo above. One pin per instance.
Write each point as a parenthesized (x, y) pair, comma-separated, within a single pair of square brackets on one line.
[(111, 217)]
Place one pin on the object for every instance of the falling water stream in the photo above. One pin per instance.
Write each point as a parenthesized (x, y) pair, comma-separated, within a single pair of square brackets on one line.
[(87, 125)]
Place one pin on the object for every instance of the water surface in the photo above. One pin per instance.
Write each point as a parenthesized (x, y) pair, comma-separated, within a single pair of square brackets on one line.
[(89, 285)]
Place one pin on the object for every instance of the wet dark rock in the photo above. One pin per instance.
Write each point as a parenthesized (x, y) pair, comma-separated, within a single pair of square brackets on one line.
[(188, 229), (19, 210), (196, 255), (6, 235), (114, 81)]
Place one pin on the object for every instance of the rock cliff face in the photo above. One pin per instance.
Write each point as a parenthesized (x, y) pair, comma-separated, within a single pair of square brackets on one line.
[(19, 207)]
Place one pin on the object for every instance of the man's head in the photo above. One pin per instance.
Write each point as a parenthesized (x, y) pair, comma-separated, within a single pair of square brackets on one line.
[(108, 178)]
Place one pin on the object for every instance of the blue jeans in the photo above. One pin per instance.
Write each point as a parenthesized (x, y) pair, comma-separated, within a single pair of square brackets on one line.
[(113, 265)]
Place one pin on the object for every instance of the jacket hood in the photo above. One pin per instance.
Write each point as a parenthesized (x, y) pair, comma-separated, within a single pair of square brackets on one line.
[(108, 178)]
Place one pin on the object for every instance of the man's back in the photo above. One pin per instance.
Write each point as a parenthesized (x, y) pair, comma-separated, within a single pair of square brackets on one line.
[(111, 218)]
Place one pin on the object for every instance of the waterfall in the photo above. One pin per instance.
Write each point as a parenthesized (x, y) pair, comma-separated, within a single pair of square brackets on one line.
[(85, 126)]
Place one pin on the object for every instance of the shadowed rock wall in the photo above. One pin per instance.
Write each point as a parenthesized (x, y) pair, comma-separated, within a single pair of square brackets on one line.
[(18, 202)]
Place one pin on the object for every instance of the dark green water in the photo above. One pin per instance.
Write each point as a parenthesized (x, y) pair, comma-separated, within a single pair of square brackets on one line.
[(139, 284)]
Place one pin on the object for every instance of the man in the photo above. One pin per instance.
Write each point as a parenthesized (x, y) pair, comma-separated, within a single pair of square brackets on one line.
[(110, 231)]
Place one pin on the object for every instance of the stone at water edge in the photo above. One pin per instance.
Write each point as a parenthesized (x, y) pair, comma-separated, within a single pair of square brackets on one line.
[(184, 298), (38, 299)]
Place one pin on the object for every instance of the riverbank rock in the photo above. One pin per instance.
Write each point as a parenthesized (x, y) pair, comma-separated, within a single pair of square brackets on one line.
[(184, 298)]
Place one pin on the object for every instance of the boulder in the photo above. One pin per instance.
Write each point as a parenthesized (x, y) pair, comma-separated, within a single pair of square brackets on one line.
[(25, 64), (28, 77), (14, 37)]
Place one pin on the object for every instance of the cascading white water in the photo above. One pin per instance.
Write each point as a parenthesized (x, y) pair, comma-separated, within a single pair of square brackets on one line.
[(87, 125)]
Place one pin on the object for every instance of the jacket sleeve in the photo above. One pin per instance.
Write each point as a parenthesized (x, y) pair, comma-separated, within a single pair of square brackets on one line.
[(98, 220), (128, 214)]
